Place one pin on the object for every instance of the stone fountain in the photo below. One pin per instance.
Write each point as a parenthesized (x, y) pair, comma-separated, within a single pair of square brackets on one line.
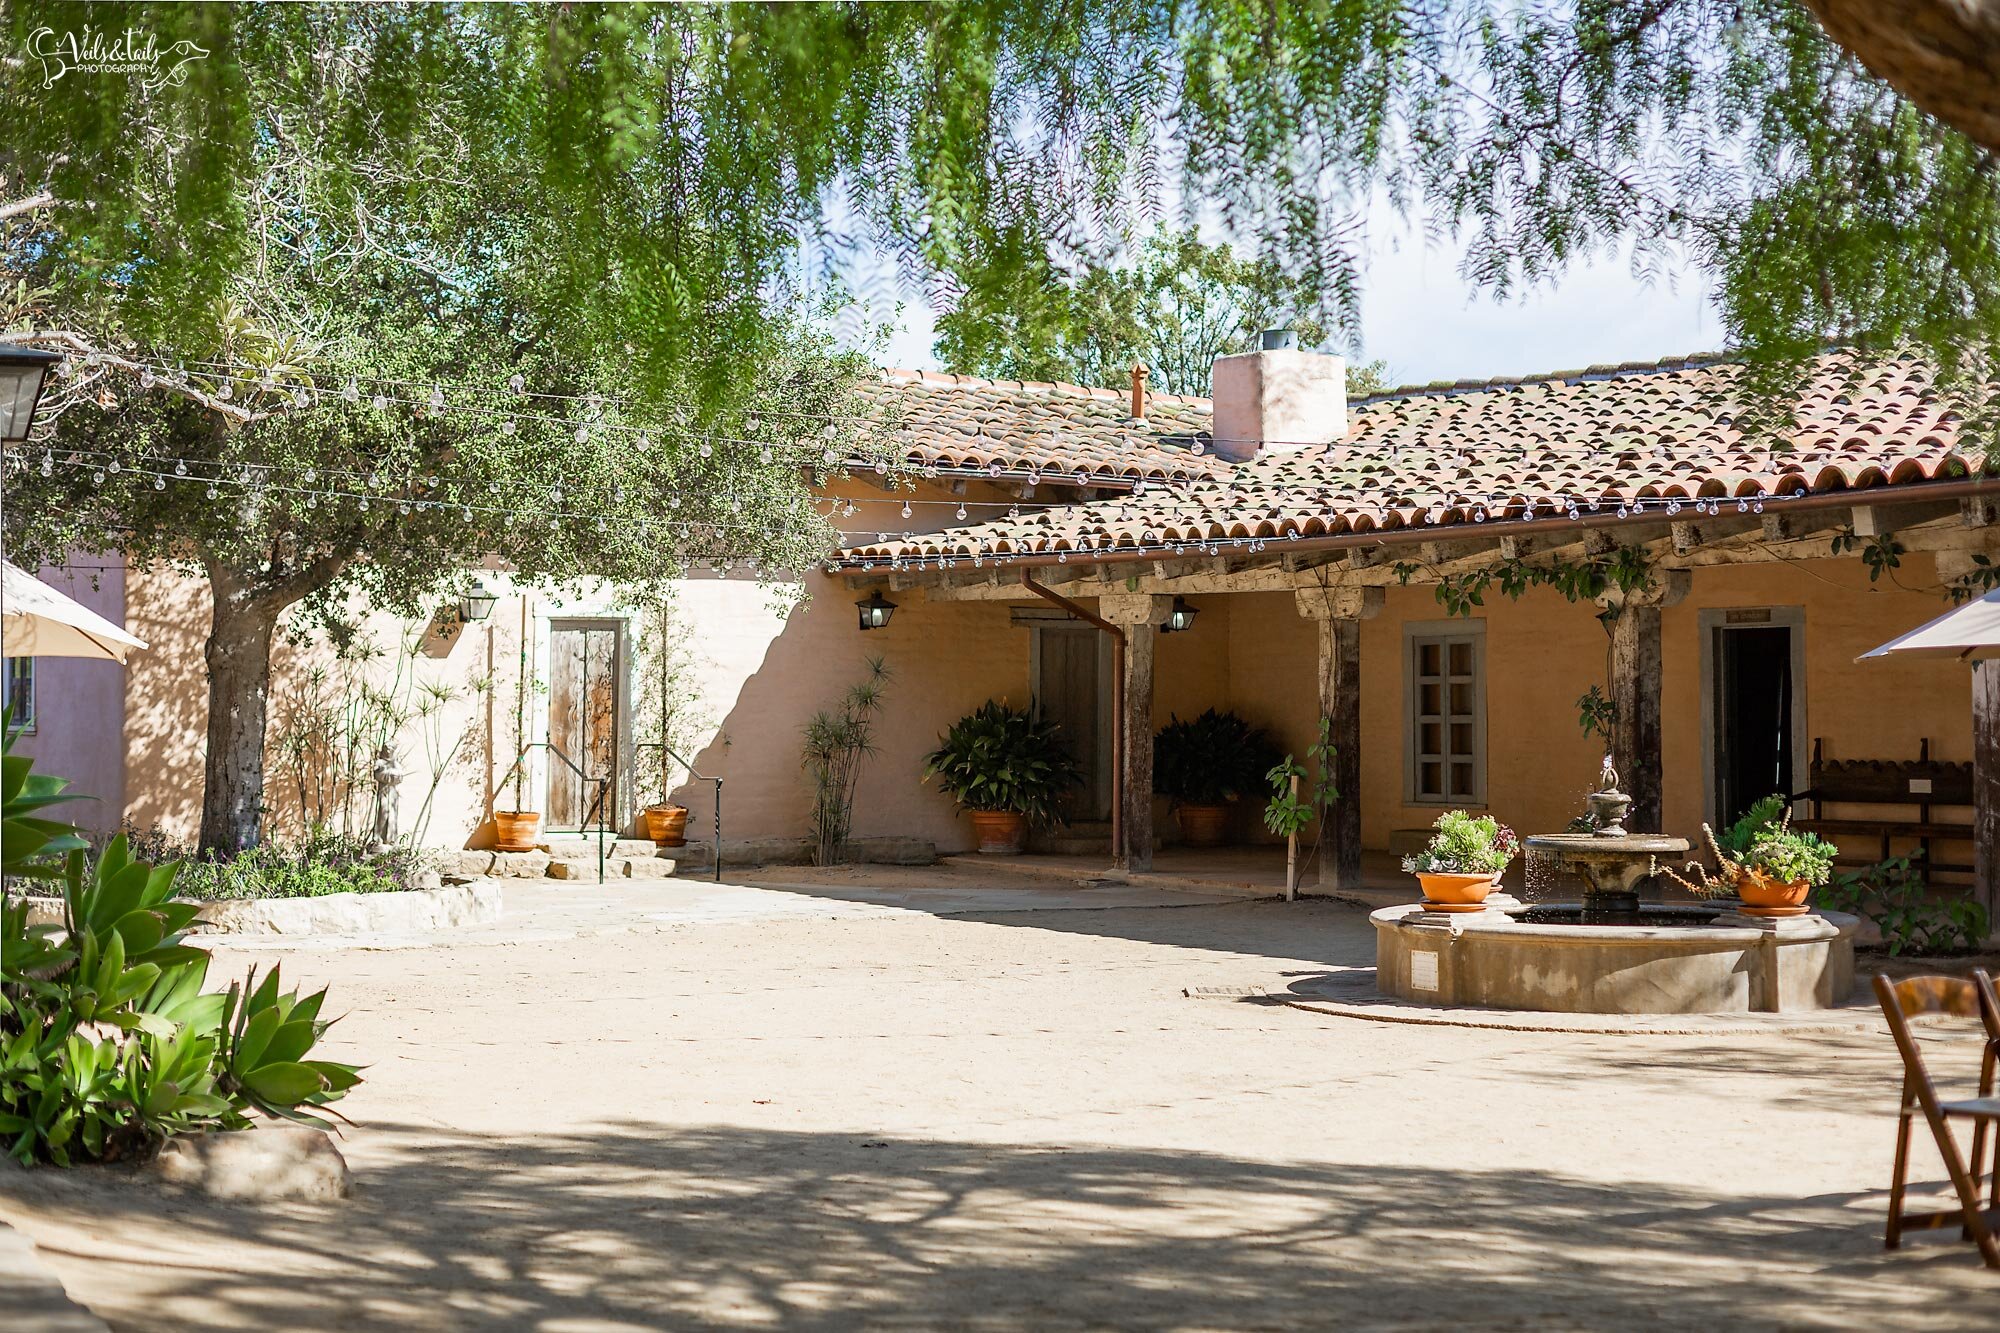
[(1609, 954), (1609, 860)]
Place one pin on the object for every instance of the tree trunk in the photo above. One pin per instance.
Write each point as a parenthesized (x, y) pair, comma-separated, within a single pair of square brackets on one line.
[(239, 695), (1944, 55)]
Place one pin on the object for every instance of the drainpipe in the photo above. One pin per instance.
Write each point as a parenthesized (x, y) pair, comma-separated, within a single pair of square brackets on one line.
[(1117, 702)]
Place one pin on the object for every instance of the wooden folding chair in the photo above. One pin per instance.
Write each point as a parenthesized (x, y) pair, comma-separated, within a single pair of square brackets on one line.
[(1965, 998)]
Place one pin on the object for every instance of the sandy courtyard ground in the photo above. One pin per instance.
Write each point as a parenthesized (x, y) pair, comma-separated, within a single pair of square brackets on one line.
[(1018, 1121)]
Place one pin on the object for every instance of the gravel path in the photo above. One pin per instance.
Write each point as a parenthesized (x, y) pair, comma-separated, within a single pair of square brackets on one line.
[(1019, 1120)]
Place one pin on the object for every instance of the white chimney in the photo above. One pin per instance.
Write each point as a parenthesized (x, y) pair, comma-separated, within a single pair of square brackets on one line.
[(1277, 399)]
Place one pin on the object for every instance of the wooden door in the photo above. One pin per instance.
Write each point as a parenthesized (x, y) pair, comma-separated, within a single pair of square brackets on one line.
[(1070, 685), (584, 719)]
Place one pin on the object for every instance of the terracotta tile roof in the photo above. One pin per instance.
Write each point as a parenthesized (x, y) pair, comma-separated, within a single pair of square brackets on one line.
[(1646, 438), (1029, 429)]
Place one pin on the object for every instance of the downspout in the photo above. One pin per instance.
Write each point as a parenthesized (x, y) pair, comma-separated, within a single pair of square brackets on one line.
[(1117, 703)]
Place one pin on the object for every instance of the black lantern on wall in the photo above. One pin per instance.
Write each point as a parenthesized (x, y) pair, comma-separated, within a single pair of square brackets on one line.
[(1179, 618), (875, 610), (476, 603), (23, 371)]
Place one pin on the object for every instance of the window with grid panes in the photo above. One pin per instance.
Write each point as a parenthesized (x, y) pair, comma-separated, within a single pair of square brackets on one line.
[(1447, 713)]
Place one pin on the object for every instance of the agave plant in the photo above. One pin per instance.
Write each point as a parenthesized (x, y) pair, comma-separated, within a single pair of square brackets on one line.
[(108, 1041)]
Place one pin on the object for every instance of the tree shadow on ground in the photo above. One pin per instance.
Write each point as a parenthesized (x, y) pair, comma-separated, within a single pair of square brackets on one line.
[(645, 1226)]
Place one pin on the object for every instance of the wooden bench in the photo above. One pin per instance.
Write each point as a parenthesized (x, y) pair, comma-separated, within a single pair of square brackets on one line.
[(1893, 788)]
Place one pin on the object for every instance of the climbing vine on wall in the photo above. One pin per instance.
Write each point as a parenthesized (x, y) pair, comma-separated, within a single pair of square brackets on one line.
[(1881, 553), (1626, 569)]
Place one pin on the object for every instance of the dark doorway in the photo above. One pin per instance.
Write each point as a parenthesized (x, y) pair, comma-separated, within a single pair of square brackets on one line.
[(1071, 684), (1753, 716)]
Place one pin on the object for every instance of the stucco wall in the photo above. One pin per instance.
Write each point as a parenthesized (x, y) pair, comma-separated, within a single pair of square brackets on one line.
[(759, 675), (78, 702)]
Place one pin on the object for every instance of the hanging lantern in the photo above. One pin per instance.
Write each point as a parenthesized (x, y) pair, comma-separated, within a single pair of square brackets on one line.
[(22, 372), (875, 610), (476, 603), (1181, 617)]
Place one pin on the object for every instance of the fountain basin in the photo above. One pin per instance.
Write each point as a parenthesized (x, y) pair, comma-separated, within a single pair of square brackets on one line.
[(1686, 959), (1610, 865)]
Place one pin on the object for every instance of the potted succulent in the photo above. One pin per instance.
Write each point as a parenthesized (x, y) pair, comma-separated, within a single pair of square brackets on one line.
[(1464, 860), (1006, 770), (1207, 764), (1764, 861)]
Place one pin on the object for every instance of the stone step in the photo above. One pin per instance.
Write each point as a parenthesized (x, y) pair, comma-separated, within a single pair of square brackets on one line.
[(503, 865), (622, 867), (585, 848)]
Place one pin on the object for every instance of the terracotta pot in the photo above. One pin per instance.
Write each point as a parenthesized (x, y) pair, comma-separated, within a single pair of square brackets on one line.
[(1202, 825), (515, 830), (1763, 895), (1000, 832), (1457, 893), (667, 824)]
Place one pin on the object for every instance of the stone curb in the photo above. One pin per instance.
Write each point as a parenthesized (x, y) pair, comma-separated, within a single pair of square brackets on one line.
[(32, 1296), (410, 910), (1352, 994)]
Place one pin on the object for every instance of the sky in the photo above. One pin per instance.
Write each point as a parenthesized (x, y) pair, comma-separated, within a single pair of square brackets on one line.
[(1428, 323)]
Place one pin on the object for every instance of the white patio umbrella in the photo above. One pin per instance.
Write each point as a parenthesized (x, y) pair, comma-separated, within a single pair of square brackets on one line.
[(1967, 633), (41, 622)]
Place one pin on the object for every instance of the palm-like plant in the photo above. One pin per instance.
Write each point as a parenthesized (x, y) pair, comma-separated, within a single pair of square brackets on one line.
[(1001, 758), (1211, 759)]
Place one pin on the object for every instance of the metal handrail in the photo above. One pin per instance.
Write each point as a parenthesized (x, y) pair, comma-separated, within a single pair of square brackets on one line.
[(597, 805), (697, 776)]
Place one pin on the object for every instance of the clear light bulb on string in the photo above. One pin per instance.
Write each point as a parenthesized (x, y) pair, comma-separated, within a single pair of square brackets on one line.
[(97, 478), (582, 435), (378, 402), (116, 467), (212, 493), (350, 392), (516, 382), (159, 483), (764, 454), (181, 468), (224, 391), (753, 423), (707, 449), (301, 398), (437, 399), (146, 380), (829, 455), (961, 513)]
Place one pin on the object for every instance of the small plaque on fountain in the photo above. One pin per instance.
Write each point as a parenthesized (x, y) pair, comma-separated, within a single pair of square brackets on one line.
[(1423, 970)]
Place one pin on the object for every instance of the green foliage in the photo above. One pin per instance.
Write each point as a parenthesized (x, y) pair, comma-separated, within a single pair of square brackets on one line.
[(836, 741), (1288, 814), (1173, 308), (1880, 553), (323, 862), (1001, 758), (1790, 856), (108, 1043), (1764, 817), (1465, 844), (1577, 580), (1912, 919), (1982, 578), (1595, 713), (650, 167), (1211, 759)]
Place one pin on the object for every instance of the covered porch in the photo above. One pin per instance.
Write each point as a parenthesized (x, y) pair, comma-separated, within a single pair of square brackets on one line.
[(1451, 668)]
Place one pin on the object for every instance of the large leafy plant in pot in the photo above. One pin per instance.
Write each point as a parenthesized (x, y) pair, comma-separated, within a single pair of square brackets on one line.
[(1205, 765), (1006, 769)]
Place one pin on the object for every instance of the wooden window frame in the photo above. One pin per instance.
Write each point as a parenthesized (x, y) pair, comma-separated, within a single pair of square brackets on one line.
[(1415, 633), (27, 725)]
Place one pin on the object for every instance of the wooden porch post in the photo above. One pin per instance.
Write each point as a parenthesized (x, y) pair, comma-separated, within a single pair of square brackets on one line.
[(1637, 669), (1338, 614), (1137, 614), (1986, 783)]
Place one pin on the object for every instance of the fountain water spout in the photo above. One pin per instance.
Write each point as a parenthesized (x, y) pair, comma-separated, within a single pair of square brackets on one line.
[(1604, 809)]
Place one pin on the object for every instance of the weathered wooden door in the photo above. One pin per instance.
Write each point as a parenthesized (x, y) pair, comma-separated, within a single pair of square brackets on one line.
[(584, 671), (1071, 685)]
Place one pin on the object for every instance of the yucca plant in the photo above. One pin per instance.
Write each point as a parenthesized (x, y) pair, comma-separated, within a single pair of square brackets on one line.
[(1001, 758)]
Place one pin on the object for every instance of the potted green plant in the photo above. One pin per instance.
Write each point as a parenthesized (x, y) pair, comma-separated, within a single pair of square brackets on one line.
[(1463, 861), (1005, 769), (1764, 861), (1204, 766)]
